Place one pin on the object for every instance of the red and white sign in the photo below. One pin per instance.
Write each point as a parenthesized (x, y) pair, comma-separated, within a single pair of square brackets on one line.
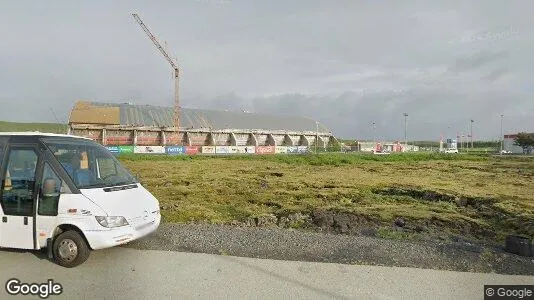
[(191, 150), (265, 150), (378, 147)]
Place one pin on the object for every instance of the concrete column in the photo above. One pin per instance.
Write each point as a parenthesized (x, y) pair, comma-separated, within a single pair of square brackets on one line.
[(163, 138), (320, 142), (211, 140), (252, 140), (287, 140), (104, 136), (303, 141), (135, 137), (187, 139), (270, 140), (233, 140)]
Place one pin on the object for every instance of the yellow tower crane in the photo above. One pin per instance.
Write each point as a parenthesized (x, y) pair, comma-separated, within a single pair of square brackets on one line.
[(176, 112)]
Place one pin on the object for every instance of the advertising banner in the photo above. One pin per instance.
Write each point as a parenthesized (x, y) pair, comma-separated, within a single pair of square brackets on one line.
[(280, 149), (191, 150), (208, 149), (234, 149), (222, 149), (126, 149), (292, 149), (242, 149), (247, 149), (378, 148), (113, 149), (149, 149), (302, 149), (174, 150), (265, 150)]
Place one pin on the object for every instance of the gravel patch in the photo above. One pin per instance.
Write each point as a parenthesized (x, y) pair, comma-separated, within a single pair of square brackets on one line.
[(287, 244)]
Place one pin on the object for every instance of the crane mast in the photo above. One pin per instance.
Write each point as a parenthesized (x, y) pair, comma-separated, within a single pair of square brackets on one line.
[(176, 112)]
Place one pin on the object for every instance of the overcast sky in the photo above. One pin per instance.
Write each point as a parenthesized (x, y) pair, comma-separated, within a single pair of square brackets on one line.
[(344, 63)]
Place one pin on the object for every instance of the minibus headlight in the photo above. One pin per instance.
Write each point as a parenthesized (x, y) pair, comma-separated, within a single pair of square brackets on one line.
[(111, 222)]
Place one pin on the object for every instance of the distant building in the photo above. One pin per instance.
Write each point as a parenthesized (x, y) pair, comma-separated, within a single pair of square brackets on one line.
[(452, 144), (508, 144), (147, 125), (385, 147)]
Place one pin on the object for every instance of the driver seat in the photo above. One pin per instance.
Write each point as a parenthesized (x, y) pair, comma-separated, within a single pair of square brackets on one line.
[(83, 176)]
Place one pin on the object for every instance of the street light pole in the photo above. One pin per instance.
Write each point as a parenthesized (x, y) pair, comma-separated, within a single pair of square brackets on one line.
[(472, 134), (502, 136), (317, 135), (374, 134), (405, 131)]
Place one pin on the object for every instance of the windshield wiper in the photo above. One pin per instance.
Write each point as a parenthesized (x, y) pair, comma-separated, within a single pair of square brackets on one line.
[(120, 183), (92, 186), (105, 185)]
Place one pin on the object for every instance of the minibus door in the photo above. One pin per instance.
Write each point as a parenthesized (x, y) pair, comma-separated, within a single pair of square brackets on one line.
[(17, 197), (3, 143), (51, 188)]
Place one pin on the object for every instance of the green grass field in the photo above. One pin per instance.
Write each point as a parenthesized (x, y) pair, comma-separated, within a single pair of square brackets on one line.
[(474, 195), (42, 127)]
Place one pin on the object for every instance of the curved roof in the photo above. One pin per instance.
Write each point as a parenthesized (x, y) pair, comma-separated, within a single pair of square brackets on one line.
[(147, 115)]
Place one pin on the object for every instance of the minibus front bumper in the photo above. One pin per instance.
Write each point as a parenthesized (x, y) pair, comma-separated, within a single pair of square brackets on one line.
[(100, 239)]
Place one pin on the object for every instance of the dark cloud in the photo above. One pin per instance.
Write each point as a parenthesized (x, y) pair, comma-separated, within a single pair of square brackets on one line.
[(477, 60), (496, 74), (346, 64)]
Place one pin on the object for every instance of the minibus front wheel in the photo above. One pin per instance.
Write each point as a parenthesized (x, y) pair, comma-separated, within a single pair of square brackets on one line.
[(70, 249)]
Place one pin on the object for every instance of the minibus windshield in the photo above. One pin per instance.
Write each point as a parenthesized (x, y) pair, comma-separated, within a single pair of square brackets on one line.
[(89, 164)]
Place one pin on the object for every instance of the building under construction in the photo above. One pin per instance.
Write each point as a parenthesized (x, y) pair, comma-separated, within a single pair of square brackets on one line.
[(137, 125), (145, 125)]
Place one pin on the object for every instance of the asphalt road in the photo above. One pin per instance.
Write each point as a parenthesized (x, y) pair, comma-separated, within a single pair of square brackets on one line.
[(122, 273)]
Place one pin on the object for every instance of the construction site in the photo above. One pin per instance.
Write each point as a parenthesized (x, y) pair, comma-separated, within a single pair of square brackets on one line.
[(144, 125), (128, 124)]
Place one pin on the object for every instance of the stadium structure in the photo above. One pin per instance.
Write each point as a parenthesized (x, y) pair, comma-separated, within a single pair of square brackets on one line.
[(146, 125)]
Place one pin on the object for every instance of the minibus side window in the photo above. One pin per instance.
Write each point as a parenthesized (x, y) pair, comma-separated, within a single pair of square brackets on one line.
[(19, 182), (51, 188)]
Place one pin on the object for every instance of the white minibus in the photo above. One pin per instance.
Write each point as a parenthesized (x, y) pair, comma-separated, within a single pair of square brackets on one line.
[(69, 195)]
